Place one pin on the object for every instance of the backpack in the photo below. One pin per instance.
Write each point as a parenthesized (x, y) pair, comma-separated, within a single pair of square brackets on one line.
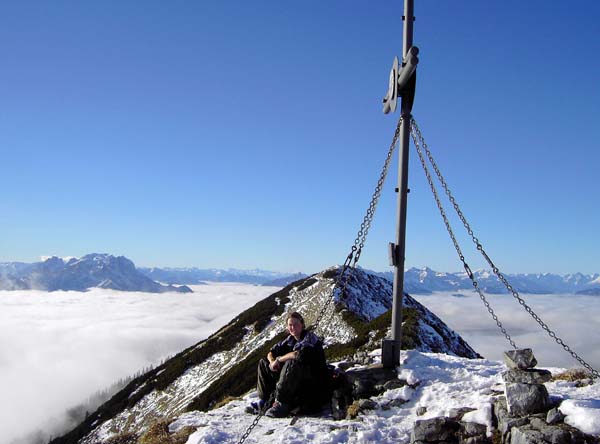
[(341, 392)]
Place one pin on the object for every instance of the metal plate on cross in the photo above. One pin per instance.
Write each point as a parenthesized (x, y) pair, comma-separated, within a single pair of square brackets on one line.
[(391, 98)]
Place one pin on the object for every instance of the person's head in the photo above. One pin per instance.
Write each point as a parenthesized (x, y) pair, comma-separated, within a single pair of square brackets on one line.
[(295, 324)]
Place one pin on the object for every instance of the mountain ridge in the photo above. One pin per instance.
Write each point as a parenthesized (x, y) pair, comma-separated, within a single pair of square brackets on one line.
[(224, 364), (426, 281), (20, 275)]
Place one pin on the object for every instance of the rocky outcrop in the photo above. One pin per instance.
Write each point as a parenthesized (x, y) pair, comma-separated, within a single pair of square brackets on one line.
[(444, 430)]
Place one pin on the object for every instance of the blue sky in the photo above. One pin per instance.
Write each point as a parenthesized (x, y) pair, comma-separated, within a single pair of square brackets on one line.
[(250, 134)]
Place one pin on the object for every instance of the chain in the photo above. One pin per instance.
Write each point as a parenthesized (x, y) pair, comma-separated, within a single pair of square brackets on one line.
[(416, 133), (456, 245), (361, 236), (261, 413), (350, 263)]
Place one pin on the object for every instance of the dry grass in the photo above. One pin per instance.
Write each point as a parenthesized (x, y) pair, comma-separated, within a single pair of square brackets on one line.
[(158, 433), (496, 437), (225, 400), (353, 410), (573, 375)]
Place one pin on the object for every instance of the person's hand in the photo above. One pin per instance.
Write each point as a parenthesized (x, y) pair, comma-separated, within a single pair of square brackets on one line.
[(275, 365)]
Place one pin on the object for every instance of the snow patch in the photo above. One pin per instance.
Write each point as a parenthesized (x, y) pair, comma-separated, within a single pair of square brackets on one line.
[(583, 414)]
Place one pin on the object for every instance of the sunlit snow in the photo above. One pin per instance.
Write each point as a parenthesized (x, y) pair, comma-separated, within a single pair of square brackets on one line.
[(444, 383)]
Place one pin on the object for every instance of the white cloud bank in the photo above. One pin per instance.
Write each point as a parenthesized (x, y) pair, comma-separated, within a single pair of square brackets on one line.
[(58, 348), (574, 318)]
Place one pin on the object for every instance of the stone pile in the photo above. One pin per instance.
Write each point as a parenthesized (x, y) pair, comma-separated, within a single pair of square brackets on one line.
[(525, 390), (527, 415)]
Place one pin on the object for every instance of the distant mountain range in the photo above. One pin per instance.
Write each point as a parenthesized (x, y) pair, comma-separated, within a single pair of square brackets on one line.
[(92, 270), (195, 276), (120, 273), (425, 281)]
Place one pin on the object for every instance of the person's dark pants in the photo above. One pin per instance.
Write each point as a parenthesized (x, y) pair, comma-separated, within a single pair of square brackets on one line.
[(292, 384)]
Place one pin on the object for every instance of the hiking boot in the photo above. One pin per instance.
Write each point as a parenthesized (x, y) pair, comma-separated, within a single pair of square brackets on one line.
[(256, 406), (278, 410)]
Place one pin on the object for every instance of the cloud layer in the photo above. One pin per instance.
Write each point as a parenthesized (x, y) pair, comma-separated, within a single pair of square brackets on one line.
[(58, 348), (574, 318)]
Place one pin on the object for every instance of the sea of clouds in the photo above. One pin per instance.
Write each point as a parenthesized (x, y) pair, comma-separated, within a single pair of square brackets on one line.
[(58, 348), (574, 318)]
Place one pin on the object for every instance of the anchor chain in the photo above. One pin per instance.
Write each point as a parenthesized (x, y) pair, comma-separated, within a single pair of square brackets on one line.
[(342, 279), (261, 413), (416, 133), (361, 236), (455, 242)]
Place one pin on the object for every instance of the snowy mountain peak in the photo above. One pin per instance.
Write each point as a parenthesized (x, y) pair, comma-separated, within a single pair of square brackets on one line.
[(91, 270)]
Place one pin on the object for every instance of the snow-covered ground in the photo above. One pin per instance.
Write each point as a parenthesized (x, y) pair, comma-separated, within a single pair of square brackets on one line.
[(444, 382), (58, 348)]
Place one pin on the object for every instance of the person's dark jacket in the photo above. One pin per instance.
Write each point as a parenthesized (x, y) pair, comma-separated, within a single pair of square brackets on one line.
[(310, 355)]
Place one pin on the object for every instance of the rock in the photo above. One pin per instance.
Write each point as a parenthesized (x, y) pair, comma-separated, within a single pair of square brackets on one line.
[(537, 428), (367, 404), (393, 403), (345, 365), (458, 413), (476, 440), (537, 423), (369, 381), (529, 376), (554, 416), (525, 399), (473, 433), (394, 384), (544, 434), (520, 359), (363, 389), (472, 429), (434, 430), (421, 410), (526, 435)]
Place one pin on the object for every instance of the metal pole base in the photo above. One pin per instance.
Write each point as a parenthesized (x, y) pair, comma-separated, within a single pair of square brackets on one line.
[(390, 353)]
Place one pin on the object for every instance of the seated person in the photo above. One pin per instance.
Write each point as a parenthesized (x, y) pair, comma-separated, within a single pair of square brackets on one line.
[(295, 372)]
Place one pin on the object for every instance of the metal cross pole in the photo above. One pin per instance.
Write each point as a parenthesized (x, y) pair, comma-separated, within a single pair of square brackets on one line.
[(402, 83)]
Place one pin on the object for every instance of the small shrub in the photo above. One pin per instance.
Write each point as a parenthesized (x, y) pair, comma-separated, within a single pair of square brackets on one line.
[(123, 438), (307, 283)]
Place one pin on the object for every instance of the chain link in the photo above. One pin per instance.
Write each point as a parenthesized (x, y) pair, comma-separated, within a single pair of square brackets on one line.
[(352, 258), (416, 134), (455, 242)]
